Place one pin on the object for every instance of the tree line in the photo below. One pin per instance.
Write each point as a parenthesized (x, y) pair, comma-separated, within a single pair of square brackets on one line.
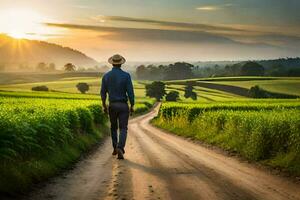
[(50, 67), (178, 70), (183, 70)]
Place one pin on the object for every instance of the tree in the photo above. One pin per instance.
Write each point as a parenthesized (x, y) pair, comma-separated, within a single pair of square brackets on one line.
[(172, 96), (252, 69), (257, 92), (294, 72), (41, 66), (23, 67), (83, 87), (156, 90), (194, 95), (141, 72), (188, 91), (151, 72), (178, 70), (69, 67), (52, 67), (81, 69), (40, 88)]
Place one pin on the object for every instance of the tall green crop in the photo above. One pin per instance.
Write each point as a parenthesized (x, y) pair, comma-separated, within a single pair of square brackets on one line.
[(33, 127), (259, 130)]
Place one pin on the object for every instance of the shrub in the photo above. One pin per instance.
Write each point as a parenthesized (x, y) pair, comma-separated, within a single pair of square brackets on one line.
[(257, 92), (172, 96), (83, 87), (40, 88), (252, 69), (188, 91)]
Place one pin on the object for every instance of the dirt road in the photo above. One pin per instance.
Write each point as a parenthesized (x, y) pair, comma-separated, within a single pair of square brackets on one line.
[(163, 166)]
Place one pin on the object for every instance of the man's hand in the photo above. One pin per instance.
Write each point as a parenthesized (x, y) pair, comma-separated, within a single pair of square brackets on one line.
[(105, 110), (131, 110)]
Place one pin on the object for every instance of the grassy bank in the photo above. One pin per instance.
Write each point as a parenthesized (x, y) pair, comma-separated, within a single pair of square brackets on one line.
[(39, 137), (268, 133)]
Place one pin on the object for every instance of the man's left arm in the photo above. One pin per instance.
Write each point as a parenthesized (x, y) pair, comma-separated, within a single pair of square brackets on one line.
[(130, 93)]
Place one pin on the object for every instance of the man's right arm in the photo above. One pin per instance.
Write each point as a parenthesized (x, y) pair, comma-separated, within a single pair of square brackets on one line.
[(103, 94)]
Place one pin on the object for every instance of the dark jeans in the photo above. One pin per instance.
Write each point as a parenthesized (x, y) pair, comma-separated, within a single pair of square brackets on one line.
[(118, 115)]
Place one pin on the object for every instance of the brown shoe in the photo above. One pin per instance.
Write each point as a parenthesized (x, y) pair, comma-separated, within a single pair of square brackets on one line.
[(115, 152), (120, 154)]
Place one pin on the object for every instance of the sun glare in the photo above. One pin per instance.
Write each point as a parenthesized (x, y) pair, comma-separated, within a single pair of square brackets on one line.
[(22, 23), (17, 35)]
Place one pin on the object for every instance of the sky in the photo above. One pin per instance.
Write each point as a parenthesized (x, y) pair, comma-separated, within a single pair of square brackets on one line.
[(160, 30)]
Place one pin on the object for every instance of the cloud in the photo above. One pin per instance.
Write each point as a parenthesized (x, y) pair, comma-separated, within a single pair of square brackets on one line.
[(284, 41), (177, 25), (82, 7), (247, 35), (234, 29), (160, 44), (145, 34), (209, 8), (46, 34), (157, 35), (266, 44), (213, 7), (142, 35)]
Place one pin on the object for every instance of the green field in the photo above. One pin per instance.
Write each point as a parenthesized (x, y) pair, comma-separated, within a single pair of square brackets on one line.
[(62, 83), (203, 94), (283, 85), (279, 85), (66, 83)]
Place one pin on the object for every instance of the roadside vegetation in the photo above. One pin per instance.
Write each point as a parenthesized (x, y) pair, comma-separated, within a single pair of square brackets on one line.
[(41, 136), (263, 130)]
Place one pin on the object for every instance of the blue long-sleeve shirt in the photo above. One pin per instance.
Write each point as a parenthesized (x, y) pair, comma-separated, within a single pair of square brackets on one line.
[(118, 85)]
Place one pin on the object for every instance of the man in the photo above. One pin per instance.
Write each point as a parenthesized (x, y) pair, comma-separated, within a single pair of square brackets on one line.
[(118, 85)]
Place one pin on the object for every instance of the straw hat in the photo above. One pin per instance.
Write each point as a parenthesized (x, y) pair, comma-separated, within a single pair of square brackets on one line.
[(116, 60)]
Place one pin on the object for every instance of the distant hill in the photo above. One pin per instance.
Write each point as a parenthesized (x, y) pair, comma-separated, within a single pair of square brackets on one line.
[(288, 63), (27, 53)]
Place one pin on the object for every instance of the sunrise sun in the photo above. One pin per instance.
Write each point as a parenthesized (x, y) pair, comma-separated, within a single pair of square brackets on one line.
[(17, 35), (21, 23)]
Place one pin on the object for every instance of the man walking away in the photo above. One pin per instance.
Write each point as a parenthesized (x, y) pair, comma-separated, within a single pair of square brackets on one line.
[(118, 85)]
